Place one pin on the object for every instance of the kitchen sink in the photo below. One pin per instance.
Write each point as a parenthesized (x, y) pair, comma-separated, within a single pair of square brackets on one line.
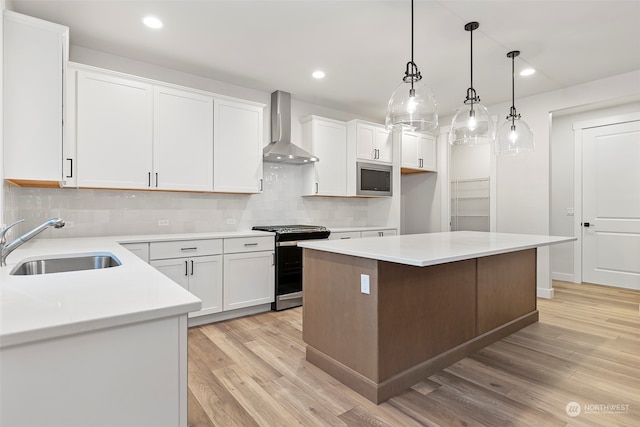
[(65, 263)]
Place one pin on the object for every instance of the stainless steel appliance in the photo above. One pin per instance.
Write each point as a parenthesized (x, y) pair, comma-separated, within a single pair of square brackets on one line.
[(288, 278), (373, 179)]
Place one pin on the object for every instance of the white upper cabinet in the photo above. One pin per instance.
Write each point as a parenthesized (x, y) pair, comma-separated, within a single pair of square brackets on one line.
[(114, 132), (418, 152), (372, 142), (327, 139), (35, 55), (238, 141), (182, 140), (137, 135)]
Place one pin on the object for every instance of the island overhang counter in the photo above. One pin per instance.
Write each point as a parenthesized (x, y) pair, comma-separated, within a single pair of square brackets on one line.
[(382, 314)]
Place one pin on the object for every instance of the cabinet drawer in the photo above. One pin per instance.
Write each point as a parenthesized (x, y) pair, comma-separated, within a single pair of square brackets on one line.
[(184, 248), (248, 244), (343, 235)]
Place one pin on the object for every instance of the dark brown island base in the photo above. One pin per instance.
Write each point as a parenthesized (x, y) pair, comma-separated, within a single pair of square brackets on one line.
[(415, 320)]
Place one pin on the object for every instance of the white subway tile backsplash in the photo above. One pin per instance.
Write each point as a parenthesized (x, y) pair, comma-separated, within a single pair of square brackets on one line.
[(124, 212)]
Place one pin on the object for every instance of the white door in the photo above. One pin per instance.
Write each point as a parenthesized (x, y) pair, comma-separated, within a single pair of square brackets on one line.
[(237, 147), (205, 282), (115, 131), (611, 205), (365, 142), (248, 279), (182, 140), (384, 145)]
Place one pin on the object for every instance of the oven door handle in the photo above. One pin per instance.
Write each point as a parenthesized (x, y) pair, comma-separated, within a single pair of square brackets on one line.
[(292, 295), (295, 243)]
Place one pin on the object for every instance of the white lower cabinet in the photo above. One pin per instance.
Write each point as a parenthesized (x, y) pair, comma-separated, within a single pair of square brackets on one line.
[(226, 274), (200, 273), (248, 279), (202, 276), (380, 233), (345, 235)]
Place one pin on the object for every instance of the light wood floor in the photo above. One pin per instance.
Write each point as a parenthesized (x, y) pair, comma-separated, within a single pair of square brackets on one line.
[(585, 349)]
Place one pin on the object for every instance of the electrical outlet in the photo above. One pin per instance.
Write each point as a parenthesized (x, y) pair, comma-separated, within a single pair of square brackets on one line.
[(231, 221), (365, 286), (570, 211), (163, 223)]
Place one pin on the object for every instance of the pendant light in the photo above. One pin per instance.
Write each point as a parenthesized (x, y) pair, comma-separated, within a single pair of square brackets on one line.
[(412, 105), (514, 136), (471, 124)]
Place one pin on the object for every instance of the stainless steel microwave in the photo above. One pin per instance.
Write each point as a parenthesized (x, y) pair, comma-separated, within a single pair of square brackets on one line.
[(373, 179)]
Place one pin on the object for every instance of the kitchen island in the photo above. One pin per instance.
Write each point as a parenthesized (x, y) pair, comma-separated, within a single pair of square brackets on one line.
[(382, 314)]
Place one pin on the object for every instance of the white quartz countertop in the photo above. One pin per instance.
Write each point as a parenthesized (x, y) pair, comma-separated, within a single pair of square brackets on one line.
[(51, 305), (422, 250)]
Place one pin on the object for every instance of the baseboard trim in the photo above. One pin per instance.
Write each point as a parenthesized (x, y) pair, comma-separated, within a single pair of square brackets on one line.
[(565, 277), (380, 392), (546, 293)]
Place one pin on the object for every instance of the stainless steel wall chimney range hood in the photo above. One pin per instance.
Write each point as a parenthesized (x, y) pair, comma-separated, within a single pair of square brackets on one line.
[(281, 149)]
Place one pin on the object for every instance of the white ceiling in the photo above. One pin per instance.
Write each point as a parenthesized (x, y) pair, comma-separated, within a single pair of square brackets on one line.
[(363, 46)]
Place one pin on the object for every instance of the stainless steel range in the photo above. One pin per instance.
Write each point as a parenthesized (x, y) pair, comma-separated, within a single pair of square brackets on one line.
[(289, 260)]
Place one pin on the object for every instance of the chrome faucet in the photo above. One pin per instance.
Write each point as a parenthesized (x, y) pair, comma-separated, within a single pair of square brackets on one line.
[(7, 248)]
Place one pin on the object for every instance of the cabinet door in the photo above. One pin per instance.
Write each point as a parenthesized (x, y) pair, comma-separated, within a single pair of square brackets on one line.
[(427, 152), (114, 132), (248, 279), (384, 145), (365, 142), (329, 143), (410, 151), (176, 269), (182, 140), (34, 58), (238, 141), (205, 282)]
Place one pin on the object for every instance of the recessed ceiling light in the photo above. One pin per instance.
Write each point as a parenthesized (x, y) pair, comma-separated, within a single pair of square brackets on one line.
[(527, 72), (318, 74), (152, 22)]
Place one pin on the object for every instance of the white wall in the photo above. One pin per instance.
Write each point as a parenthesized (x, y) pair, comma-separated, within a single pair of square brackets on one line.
[(562, 180), (524, 180)]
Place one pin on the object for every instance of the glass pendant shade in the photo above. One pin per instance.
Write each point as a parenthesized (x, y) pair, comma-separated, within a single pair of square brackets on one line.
[(514, 137), (412, 107), (472, 125)]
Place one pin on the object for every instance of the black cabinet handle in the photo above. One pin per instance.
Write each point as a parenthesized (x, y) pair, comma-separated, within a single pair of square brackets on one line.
[(586, 224), (316, 188), (186, 268), (149, 177), (261, 184), (70, 168), (156, 179), (192, 267)]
